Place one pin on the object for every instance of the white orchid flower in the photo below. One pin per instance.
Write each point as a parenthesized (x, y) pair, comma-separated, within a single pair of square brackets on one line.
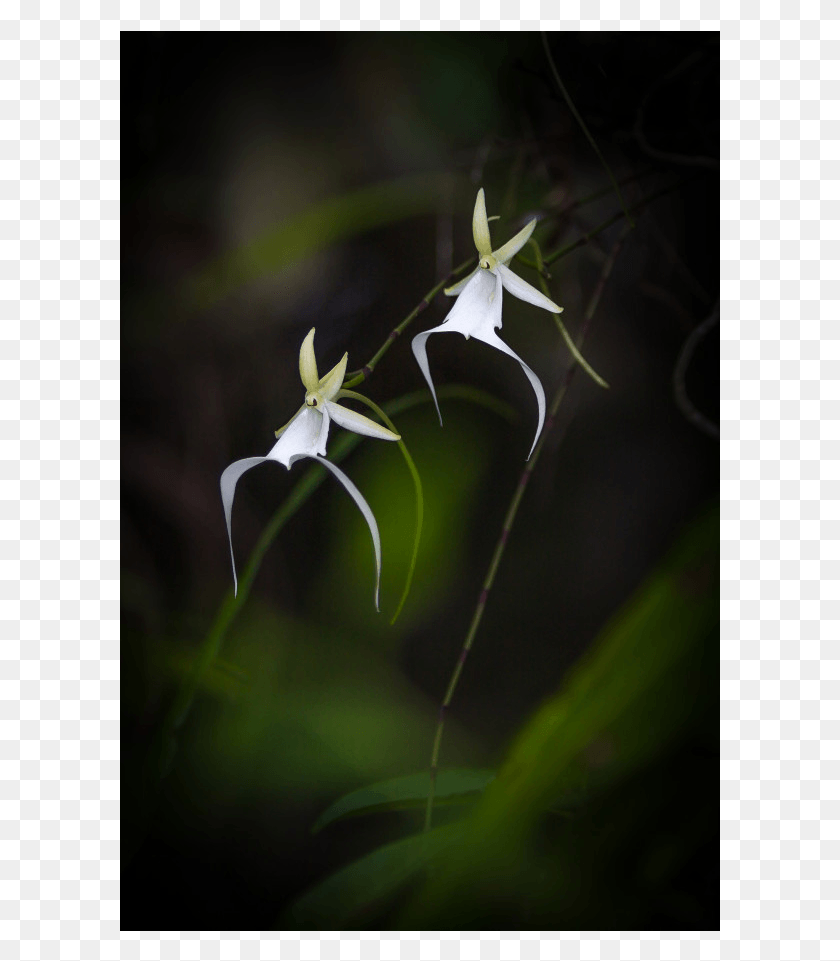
[(478, 309), (306, 436)]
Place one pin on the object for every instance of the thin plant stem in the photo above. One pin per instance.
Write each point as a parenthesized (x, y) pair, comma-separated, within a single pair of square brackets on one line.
[(418, 490), (583, 127), (567, 337), (356, 377), (507, 525)]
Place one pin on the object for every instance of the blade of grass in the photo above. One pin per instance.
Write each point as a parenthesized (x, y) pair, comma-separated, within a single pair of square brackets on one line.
[(342, 899), (401, 793)]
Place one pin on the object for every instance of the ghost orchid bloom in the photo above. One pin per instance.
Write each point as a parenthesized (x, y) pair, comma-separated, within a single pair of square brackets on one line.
[(478, 310), (306, 436)]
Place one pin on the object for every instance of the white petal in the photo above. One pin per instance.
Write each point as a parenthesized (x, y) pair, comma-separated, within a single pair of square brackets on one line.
[(456, 289), (305, 436), (481, 229), (230, 476), (330, 384), (350, 420), (288, 423), (308, 366), (479, 305), (493, 339), (418, 345), (367, 513), (524, 291), (509, 250)]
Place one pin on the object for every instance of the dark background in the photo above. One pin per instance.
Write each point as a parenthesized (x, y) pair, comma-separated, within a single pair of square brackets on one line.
[(227, 140)]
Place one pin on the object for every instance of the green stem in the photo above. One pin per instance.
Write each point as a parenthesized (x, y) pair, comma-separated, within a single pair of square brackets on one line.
[(507, 525), (578, 356), (356, 377), (584, 128), (418, 490)]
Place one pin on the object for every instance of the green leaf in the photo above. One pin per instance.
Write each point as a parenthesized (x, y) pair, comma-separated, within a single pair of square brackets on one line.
[(338, 901), (401, 793)]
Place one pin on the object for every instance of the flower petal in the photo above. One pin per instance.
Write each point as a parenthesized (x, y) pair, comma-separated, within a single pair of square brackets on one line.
[(308, 366), (509, 250), (350, 420), (230, 476), (304, 436), (524, 291), (367, 513), (281, 430), (418, 346), (481, 229), (330, 384), (456, 289), (492, 338), (478, 306)]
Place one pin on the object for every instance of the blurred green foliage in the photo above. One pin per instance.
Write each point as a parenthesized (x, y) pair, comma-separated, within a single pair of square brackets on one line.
[(634, 724), (401, 793), (318, 227)]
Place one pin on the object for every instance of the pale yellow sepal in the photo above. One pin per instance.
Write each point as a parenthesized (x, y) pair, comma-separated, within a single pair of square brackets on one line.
[(350, 420), (308, 366), (330, 384), (508, 251), (481, 229)]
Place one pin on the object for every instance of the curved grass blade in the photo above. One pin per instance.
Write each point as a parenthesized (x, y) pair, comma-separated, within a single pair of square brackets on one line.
[(339, 901), (418, 491), (403, 793)]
